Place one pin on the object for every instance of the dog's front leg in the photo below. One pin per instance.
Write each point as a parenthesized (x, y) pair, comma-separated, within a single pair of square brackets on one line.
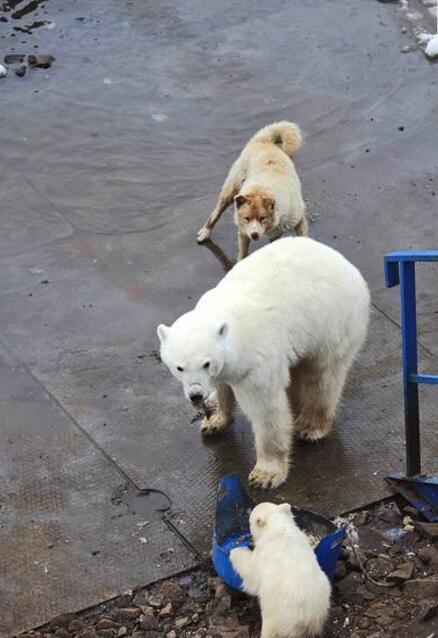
[(243, 246), (226, 197)]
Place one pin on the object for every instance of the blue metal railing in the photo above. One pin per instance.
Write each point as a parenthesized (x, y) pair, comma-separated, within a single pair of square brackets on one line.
[(400, 269)]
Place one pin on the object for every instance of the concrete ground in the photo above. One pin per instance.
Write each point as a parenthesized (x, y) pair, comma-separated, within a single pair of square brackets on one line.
[(111, 159)]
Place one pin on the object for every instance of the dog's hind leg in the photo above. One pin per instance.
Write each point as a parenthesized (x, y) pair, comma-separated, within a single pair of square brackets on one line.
[(226, 196)]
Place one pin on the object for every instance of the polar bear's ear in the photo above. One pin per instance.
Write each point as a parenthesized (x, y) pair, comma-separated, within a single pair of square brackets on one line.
[(260, 521), (285, 507), (162, 332), (222, 331)]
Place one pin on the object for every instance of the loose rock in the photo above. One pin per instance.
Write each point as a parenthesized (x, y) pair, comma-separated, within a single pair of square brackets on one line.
[(428, 530), (128, 613), (404, 572), (21, 71), (422, 588), (182, 622), (107, 623), (40, 60), (172, 592)]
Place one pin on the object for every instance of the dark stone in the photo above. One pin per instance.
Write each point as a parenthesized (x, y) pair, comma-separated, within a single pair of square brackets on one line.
[(172, 592), (384, 619), (379, 567), (428, 556), (428, 530), (340, 570), (76, 626), (128, 613), (148, 622), (422, 588), (389, 515), (14, 58), (361, 518), (404, 572), (124, 601), (40, 61), (429, 609), (371, 539), (107, 623), (347, 586), (21, 72)]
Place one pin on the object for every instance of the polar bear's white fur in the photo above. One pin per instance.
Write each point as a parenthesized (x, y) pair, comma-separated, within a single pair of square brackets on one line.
[(283, 572), (280, 330)]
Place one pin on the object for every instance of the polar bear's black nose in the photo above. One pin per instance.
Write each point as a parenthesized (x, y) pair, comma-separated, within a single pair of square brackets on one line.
[(196, 397), (254, 236)]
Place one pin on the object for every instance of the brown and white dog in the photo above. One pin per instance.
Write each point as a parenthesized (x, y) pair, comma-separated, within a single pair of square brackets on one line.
[(265, 188)]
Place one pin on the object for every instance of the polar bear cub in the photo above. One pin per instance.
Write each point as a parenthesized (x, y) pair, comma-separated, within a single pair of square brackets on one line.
[(283, 572), (278, 334)]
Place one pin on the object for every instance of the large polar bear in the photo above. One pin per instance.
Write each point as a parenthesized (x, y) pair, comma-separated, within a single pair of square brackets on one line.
[(278, 334)]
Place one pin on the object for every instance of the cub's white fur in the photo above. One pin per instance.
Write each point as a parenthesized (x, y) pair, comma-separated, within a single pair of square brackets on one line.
[(281, 329), (283, 572)]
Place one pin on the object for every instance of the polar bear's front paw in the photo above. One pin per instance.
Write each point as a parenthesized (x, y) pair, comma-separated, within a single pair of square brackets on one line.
[(262, 478), (237, 556), (216, 423), (203, 234)]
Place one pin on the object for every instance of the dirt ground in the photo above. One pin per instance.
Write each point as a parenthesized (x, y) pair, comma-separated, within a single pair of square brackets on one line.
[(394, 547)]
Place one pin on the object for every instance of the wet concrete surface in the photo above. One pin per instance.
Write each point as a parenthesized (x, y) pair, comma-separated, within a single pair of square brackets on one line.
[(111, 160)]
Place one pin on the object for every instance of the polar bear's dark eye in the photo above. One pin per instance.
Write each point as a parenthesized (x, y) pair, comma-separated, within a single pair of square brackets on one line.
[(180, 368), (206, 365)]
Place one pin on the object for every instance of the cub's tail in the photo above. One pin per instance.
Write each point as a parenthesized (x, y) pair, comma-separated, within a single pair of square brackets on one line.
[(286, 134)]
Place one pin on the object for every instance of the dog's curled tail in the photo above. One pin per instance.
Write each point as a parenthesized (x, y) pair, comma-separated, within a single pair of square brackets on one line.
[(286, 134)]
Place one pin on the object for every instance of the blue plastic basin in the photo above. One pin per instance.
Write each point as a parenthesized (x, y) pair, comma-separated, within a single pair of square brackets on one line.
[(233, 507)]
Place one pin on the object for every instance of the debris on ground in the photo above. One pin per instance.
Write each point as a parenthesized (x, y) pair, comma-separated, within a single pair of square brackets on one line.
[(40, 61), (386, 588), (3, 71)]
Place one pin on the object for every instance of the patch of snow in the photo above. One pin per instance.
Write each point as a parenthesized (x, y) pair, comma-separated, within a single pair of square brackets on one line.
[(423, 37), (414, 16), (432, 47), (159, 117)]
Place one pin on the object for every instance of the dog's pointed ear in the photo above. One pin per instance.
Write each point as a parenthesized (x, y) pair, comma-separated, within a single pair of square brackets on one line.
[(269, 203), (239, 200), (285, 507), (222, 331), (162, 332)]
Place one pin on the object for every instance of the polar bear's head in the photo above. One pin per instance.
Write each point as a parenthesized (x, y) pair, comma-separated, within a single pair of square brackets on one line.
[(269, 516), (193, 349)]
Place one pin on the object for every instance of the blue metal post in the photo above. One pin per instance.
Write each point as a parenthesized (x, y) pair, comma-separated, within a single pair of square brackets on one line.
[(409, 338)]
